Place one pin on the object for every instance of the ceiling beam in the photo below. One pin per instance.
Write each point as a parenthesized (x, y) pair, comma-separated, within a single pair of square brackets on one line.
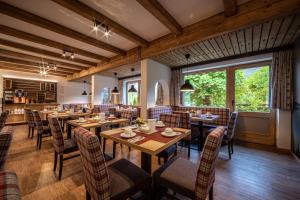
[(25, 68), (92, 14), (249, 13), (60, 64), (50, 43), (230, 7), (160, 13), (52, 26), (42, 51), (33, 64)]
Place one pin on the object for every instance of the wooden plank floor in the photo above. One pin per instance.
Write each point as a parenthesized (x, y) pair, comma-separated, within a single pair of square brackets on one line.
[(255, 172)]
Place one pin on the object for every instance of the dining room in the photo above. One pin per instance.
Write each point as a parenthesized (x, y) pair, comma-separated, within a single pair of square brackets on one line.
[(149, 99)]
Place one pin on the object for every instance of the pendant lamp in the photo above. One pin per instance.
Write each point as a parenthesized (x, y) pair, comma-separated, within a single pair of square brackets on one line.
[(187, 86), (84, 92), (132, 88), (115, 90)]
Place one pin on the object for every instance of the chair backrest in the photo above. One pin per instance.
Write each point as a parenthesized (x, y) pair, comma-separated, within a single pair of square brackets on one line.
[(231, 125), (3, 118), (57, 135), (6, 135), (206, 170), (30, 117), (154, 112), (38, 121), (127, 114), (184, 121), (170, 120), (95, 171), (112, 111)]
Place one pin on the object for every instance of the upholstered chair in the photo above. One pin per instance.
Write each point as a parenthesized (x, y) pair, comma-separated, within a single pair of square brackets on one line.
[(30, 121), (6, 135), (188, 179), (42, 129), (119, 180), (61, 146), (230, 131), (3, 118)]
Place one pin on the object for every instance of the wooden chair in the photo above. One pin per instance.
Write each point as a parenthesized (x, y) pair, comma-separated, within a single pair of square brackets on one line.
[(42, 129), (230, 131), (30, 121), (119, 180), (170, 120), (61, 146), (188, 179)]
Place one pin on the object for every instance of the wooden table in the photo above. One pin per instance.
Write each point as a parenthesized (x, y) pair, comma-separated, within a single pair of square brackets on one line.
[(204, 118), (90, 123), (152, 144)]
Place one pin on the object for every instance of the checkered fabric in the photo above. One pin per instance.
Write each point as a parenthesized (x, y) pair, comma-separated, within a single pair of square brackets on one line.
[(3, 118), (9, 189), (30, 117), (184, 121), (222, 112), (6, 135), (206, 170), (112, 111), (38, 122), (231, 125), (103, 108), (154, 112), (127, 114), (170, 120), (57, 135), (95, 171)]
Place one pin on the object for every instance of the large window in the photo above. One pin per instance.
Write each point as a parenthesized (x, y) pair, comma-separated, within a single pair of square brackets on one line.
[(210, 89), (132, 97), (252, 89)]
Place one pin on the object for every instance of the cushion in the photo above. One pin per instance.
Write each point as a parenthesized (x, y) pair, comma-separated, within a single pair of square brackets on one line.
[(180, 178), (9, 188), (126, 178), (70, 145)]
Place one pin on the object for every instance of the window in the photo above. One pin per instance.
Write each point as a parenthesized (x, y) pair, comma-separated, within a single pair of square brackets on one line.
[(106, 95), (252, 89), (132, 97), (210, 89)]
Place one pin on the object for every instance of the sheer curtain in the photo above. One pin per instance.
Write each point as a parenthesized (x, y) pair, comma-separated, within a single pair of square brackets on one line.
[(176, 82), (160, 94), (120, 84), (282, 80)]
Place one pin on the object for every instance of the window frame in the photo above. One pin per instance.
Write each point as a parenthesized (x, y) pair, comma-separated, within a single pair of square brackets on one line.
[(138, 93)]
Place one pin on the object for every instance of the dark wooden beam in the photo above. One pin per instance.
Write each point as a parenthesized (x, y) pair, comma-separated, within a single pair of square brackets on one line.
[(52, 26), (92, 14), (33, 64), (42, 52), (25, 68), (160, 13), (50, 43), (60, 64), (230, 7)]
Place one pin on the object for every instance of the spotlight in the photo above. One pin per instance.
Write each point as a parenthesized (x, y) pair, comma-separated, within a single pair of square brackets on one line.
[(72, 56), (64, 54)]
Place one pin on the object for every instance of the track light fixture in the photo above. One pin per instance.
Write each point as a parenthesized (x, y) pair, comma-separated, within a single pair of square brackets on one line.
[(68, 54), (103, 27)]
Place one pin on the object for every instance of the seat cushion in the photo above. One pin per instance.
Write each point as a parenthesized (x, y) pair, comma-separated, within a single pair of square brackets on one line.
[(70, 145), (180, 175), (9, 188), (126, 179)]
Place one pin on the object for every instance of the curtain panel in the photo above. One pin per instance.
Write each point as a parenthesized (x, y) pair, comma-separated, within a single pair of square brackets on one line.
[(160, 95), (282, 80), (120, 96), (176, 82)]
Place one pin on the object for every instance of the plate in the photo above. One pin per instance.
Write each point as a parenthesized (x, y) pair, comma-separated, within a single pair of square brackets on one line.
[(160, 126), (173, 134), (123, 135), (79, 121)]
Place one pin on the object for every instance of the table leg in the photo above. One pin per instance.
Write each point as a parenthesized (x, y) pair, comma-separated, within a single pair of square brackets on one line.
[(146, 162), (69, 131)]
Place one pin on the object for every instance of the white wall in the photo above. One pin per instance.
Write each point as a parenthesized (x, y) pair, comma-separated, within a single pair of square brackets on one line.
[(100, 82), (151, 73)]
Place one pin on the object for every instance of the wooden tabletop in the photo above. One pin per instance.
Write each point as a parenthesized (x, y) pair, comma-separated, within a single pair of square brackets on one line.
[(75, 114), (90, 123), (152, 144)]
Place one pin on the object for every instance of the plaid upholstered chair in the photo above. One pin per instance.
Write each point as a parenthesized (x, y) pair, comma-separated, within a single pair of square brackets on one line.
[(61, 146), (229, 134), (170, 120), (42, 129), (119, 180), (9, 188), (3, 118), (6, 135), (112, 111), (187, 178)]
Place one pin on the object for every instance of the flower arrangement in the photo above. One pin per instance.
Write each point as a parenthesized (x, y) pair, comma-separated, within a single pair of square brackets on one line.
[(140, 121)]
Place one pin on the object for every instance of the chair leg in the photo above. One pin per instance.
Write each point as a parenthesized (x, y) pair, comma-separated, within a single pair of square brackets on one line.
[(104, 144), (229, 149), (38, 141), (32, 132), (211, 193), (40, 145), (175, 153), (29, 131), (114, 149), (55, 160), (165, 159), (231, 143), (189, 148), (61, 160), (129, 149), (88, 196), (158, 159)]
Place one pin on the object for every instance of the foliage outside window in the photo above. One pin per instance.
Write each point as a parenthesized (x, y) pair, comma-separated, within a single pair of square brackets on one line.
[(252, 89), (106, 96), (133, 97), (210, 90)]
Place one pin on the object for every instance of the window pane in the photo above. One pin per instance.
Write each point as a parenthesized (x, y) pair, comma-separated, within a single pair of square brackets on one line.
[(132, 97), (252, 89), (210, 90)]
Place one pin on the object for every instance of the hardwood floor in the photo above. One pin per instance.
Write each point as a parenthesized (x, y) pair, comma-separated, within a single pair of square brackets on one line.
[(254, 172)]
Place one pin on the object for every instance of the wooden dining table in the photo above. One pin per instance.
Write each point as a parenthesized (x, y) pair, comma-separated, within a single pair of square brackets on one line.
[(150, 145)]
